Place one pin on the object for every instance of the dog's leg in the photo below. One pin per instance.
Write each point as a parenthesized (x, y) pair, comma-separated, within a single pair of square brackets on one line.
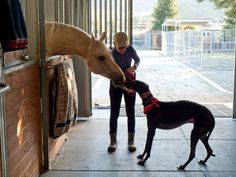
[(204, 140), (148, 146), (145, 149), (194, 139)]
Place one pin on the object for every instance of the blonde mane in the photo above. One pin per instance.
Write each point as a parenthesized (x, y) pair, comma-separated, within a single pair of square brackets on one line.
[(65, 36)]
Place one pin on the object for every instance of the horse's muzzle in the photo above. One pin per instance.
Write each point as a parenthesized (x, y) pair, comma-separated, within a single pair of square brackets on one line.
[(118, 81)]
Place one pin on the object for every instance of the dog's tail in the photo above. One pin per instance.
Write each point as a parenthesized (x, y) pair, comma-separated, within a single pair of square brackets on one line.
[(209, 133), (211, 128)]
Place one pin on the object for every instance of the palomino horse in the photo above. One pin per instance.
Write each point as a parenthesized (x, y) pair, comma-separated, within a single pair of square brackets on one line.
[(64, 39)]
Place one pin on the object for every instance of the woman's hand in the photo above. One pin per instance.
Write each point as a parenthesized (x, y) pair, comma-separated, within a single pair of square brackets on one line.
[(131, 69)]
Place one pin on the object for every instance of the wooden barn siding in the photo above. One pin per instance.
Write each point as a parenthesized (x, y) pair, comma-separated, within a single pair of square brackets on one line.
[(23, 122), (54, 144)]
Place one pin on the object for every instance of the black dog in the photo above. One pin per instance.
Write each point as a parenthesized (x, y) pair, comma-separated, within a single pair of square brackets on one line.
[(170, 115)]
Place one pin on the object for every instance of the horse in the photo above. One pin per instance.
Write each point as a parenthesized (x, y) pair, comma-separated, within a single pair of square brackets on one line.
[(65, 39)]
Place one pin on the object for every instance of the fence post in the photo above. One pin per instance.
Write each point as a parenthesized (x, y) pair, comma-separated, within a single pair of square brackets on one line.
[(234, 97)]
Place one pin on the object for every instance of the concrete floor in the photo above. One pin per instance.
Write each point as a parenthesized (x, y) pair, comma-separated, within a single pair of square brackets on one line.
[(85, 154)]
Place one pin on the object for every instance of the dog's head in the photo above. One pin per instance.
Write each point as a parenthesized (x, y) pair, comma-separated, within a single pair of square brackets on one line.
[(137, 86)]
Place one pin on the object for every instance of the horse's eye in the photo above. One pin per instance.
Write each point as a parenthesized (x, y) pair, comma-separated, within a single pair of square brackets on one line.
[(101, 58)]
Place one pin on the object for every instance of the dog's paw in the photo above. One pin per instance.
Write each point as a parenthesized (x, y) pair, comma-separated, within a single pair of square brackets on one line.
[(213, 155), (140, 157), (140, 163), (181, 167), (202, 162)]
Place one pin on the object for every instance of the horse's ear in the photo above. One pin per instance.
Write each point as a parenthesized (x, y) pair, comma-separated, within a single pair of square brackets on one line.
[(103, 36), (92, 38)]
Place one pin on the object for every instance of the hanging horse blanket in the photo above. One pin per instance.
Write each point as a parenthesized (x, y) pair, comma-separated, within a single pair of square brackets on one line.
[(65, 98), (13, 34)]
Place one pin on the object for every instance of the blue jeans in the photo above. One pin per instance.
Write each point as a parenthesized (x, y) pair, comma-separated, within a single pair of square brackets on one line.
[(115, 101)]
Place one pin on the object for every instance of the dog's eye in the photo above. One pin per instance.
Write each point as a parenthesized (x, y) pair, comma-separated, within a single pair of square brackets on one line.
[(101, 57)]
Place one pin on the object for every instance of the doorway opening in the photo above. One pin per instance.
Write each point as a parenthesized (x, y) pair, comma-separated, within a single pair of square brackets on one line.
[(184, 63)]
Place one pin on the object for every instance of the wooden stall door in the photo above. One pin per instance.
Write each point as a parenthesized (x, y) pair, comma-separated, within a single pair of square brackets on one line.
[(23, 122)]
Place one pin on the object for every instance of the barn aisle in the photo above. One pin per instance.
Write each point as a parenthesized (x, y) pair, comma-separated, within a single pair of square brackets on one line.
[(84, 154)]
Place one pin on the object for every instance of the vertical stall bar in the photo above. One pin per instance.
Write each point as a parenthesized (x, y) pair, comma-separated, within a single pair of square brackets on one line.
[(130, 21), (61, 11), (234, 96), (56, 5), (95, 17), (72, 12), (89, 16), (125, 17), (85, 17), (67, 17), (121, 15), (75, 15), (44, 85), (100, 17), (110, 21), (81, 18), (89, 81), (115, 15), (105, 20)]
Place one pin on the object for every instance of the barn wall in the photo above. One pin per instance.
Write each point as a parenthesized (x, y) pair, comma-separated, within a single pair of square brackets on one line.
[(23, 122)]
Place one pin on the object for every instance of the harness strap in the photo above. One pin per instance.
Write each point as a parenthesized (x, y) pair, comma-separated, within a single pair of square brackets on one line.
[(151, 105)]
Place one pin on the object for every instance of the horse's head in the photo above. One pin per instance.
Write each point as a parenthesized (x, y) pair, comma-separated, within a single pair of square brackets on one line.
[(100, 61)]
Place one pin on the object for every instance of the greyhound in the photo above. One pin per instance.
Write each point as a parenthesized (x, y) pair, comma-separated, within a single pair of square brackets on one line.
[(170, 115)]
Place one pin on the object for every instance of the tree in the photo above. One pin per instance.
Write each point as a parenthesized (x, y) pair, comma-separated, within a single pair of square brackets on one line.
[(163, 10), (230, 11)]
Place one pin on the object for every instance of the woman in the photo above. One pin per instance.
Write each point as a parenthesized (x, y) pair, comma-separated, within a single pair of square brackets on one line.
[(123, 54)]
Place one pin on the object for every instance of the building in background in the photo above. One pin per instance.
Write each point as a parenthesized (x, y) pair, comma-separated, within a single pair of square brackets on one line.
[(189, 11)]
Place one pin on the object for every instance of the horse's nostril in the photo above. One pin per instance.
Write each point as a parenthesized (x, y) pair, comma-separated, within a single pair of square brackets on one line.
[(118, 80)]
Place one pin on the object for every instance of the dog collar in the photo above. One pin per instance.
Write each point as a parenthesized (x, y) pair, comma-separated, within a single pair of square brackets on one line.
[(146, 95), (153, 104)]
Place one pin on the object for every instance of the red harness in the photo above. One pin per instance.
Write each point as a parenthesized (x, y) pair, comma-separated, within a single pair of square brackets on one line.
[(151, 105)]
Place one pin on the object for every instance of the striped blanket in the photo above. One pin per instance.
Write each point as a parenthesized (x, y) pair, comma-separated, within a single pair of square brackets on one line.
[(65, 98)]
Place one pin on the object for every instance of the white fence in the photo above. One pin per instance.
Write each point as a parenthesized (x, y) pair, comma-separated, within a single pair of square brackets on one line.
[(147, 40), (192, 44)]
